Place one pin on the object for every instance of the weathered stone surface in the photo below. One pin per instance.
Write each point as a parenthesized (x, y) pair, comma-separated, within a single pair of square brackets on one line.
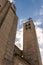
[(7, 32), (2, 4), (9, 53), (30, 45), (19, 61), (4, 12), (17, 51)]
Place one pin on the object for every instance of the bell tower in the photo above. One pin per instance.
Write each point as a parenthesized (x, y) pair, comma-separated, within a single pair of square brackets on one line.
[(30, 44), (8, 27)]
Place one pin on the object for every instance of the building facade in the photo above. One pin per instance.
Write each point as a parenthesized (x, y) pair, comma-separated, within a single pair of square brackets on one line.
[(30, 44), (8, 27), (10, 54)]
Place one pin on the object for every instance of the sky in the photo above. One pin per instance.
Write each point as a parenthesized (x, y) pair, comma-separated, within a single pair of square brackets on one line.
[(24, 10)]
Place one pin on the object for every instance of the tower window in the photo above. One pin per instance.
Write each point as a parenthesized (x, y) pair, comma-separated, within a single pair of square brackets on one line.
[(0, 5), (26, 28), (29, 24), (29, 27)]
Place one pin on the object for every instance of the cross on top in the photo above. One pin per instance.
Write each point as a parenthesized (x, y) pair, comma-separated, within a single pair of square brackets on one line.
[(30, 19)]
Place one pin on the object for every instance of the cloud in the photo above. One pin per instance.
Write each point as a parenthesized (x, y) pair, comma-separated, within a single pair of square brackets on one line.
[(38, 22), (20, 23), (41, 50), (41, 11), (42, 6), (39, 32), (10, 1), (14, 1), (19, 38)]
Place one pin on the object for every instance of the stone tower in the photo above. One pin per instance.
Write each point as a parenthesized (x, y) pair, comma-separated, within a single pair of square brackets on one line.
[(30, 45), (8, 26)]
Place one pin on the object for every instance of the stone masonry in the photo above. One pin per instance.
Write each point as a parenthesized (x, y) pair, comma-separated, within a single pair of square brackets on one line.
[(10, 54), (30, 44), (8, 26)]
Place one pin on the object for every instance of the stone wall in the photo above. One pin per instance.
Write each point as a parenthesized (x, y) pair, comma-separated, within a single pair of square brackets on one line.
[(8, 27), (19, 61)]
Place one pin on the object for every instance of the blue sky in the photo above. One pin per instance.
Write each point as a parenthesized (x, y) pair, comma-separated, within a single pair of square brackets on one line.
[(28, 8), (24, 10)]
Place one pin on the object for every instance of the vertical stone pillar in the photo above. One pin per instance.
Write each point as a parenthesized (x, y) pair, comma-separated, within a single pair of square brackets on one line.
[(8, 20), (4, 11)]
